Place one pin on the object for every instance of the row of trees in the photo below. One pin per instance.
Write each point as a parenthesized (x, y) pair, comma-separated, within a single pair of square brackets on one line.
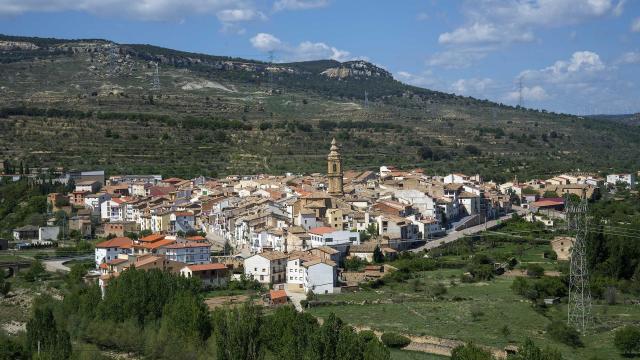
[(160, 315)]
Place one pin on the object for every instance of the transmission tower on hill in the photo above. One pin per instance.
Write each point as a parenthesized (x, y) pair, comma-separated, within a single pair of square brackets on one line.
[(366, 99), (155, 85), (579, 309)]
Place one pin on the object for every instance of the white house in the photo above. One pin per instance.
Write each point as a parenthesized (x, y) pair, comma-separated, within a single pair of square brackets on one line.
[(328, 236), (95, 201), (110, 249), (629, 179), (87, 186), (319, 277), (267, 267), (216, 275), (47, 233), (189, 252), (395, 227), (113, 209)]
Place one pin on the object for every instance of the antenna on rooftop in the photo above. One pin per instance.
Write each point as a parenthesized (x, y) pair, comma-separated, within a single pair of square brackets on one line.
[(155, 85)]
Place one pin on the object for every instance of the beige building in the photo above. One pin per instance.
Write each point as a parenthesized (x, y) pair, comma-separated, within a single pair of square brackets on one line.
[(562, 246)]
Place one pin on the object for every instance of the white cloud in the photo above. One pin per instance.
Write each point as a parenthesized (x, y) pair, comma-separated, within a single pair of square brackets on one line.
[(457, 58), (306, 50), (483, 33), (635, 25), (236, 15), (154, 10), (473, 86), (619, 9), (266, 42), (425, 79), (422, 16), (582, 66), (534, 93), (631, 57), (494, 24), (280, 5)]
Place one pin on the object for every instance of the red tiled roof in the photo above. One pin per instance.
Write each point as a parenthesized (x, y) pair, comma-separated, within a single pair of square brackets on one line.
[(157, 244), (115, 242), (548, 202), (277, 294), (117, 261), (204, 267), (189, 244), (322, 230), (196, 238), (152, 238)]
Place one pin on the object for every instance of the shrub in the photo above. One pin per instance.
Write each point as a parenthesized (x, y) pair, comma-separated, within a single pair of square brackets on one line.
[(470, 352), (368, 335), (394, 340), (627, 340), (564, 333), (535, 270)]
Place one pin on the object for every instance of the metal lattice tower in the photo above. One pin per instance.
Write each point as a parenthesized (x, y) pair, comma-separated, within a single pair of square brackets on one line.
[(366, 99), (155, 85), (520, 98), (579, 309)]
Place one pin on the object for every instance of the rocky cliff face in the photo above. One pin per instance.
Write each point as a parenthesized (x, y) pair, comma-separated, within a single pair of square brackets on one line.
[(356, 69)]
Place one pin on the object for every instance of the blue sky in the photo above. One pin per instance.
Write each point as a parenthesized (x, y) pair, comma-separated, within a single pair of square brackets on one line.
[(577, 56)]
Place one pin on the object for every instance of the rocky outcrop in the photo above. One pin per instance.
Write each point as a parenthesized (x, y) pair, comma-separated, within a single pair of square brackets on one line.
[(356, 69)]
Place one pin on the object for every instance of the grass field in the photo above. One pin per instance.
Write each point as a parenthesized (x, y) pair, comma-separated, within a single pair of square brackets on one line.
[(487, 313)]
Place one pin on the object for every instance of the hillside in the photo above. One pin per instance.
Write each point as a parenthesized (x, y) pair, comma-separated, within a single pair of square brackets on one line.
[(91, 104)]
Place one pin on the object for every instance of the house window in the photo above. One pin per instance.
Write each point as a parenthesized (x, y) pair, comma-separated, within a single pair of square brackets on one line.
[(328, 240), (353, 239), (255, 269)]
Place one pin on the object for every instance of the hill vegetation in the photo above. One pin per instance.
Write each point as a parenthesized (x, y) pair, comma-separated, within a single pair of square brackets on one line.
[(90, 104)]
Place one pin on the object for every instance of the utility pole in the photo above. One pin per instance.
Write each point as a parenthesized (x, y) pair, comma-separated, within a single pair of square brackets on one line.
[(579, 309)]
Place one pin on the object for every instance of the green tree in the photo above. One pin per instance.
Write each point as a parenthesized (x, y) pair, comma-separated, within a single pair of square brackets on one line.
[(627, 340), (374, 350), (529, 351), (470, 352), (44, 339), (237, 333), (350, 345), (5, 286), (561, 332), (378, 256)]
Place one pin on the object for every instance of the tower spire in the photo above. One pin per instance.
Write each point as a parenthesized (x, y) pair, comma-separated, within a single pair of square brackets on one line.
[(334, 170)]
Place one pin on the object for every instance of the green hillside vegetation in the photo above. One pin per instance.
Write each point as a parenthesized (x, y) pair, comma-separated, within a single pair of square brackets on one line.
[(79, 104)]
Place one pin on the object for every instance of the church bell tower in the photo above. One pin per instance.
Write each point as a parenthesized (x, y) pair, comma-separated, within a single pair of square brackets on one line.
[(334, 170)]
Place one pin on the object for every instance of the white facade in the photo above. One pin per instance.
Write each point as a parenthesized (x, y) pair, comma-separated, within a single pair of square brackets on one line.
[(295, 271), (319, 277), (46, 233), (265, 270), (94, 202), (334, 238), (107, 254), (629, 179)]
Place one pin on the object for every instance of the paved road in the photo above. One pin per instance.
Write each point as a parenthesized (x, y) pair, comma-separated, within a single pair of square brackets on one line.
[(55, 265), (296, 298), (455, 235)]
